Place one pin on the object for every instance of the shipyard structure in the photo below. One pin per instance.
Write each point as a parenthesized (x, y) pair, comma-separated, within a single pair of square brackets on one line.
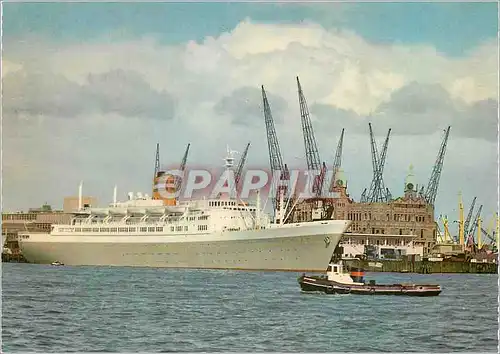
[(401, 226), (383, 226)]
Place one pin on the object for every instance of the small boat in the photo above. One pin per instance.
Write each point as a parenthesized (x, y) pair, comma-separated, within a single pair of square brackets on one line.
[(338, 281), (57, 263)]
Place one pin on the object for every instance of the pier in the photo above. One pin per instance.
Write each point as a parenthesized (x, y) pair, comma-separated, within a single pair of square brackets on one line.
[(425, 266)]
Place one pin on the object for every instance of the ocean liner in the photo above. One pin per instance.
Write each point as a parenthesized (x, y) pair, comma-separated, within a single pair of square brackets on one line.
[(220, 233)]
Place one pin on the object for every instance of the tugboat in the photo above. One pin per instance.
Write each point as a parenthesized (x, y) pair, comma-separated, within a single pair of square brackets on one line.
[(338, 281)]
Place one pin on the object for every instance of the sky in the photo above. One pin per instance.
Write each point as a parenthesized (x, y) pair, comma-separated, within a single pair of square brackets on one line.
[(89, 88)]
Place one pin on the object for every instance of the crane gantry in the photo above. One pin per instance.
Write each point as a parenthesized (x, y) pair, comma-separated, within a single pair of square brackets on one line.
[(312, 155), (182, 167), (239, 169), (469, 216), (275, 157), (175, 180), (432, 187), (337, 161), (377, 193), (476, 222)]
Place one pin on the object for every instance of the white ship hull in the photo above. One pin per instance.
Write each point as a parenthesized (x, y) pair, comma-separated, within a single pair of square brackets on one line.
[(304, 247)]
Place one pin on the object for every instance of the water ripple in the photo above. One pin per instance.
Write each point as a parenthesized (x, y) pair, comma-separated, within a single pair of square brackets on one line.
[(69, 309)]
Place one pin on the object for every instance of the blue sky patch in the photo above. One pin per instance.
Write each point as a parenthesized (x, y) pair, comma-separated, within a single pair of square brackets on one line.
[(453, 28)]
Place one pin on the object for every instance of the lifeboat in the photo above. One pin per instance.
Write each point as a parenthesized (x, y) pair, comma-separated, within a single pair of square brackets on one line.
[(118, 211), (99, 211)]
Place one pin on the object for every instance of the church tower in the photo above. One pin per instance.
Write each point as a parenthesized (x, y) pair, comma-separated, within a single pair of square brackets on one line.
[(410, 187)]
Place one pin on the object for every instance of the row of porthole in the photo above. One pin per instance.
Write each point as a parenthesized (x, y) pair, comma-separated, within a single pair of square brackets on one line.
[(150, 254), (239, 260), (252, 251), (198, 254), (245, 260)]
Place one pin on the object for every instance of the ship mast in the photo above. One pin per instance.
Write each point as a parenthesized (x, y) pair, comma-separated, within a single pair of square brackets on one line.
[(80, 195), (229, 165), (114, 195), (280, 214), (229, 159), (257, 211)]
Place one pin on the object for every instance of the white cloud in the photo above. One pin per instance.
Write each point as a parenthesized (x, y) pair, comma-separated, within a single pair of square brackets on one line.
[(9, 67), (362, 92), (122, 92), (244, 106), (330, 64), (478, 80), (336, 68)]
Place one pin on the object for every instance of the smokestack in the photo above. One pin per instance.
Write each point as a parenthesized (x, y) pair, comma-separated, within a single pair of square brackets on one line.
[(80, 190), (114, 195)]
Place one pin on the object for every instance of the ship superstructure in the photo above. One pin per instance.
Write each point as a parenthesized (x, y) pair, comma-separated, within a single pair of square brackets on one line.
[(141, 215)]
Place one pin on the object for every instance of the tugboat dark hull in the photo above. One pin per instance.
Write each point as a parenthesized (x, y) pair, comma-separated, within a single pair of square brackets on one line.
[(321, 284)]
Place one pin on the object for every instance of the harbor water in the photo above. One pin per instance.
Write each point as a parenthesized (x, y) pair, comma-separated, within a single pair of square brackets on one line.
[(106, 309)]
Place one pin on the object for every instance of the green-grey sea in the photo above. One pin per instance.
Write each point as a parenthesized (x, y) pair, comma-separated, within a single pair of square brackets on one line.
[(108, 309)]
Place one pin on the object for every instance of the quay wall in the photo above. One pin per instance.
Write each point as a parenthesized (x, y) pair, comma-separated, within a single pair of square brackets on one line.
[(396, 266), (424, 267)]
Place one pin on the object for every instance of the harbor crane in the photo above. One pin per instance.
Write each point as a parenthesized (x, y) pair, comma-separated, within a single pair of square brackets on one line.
[(432, 187), (311, 148), (447, 235), (275, 157), (460, 219), (239, 168), (377, 192), (472, 230), (440, 235), (337, 162), (157, 160), (176, 180), (492, 232), (182, 167), (157, 167), (489, 236), (469, 216), (363, 196)]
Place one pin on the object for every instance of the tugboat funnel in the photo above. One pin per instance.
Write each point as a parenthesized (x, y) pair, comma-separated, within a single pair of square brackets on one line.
[(357, 274)]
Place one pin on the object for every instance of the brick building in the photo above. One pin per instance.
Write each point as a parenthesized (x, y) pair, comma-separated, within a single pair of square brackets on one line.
[(408, 215)]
